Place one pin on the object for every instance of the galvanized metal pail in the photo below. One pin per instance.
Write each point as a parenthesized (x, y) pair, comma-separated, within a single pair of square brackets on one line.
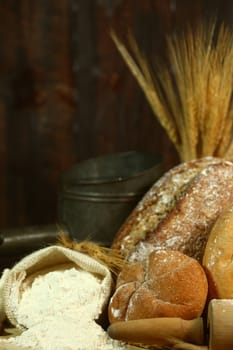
[(98, 194)]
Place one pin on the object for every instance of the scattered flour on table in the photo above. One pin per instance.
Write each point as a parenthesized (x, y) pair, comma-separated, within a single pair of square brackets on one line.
[(59, 310)]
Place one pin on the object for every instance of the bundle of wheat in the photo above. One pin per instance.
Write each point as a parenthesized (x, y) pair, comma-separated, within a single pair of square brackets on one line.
[(191, 96)]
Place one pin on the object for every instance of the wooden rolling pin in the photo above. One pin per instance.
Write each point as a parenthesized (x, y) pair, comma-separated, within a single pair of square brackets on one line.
[(163, 331), (182, 334)]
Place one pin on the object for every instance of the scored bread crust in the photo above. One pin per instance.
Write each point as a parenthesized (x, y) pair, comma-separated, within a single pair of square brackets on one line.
[(179, 210), (165, 284), (188, 226)]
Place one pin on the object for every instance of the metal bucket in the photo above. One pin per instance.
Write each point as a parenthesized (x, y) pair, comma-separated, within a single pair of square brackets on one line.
[(98, 194)]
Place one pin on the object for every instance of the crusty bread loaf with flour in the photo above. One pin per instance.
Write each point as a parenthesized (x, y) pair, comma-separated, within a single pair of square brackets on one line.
[(179, 210), (166, 283)]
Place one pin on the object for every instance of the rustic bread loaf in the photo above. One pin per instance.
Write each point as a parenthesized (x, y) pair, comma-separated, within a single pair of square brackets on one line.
[(165, 284), (179, 210), (217, 259)]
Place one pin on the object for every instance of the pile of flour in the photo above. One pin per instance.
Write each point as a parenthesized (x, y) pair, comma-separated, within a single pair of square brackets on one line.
[(59, 310)]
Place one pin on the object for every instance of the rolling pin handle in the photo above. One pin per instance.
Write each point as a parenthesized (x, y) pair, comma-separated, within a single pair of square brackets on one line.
[(220, 324), (159, 331)]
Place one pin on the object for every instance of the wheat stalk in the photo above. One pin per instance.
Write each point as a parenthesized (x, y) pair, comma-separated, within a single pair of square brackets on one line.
[(153, 95), (219, 93), (185, 86), (112, 258), (191, 96)]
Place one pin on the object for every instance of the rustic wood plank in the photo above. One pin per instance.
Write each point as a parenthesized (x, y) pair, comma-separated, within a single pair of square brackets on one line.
[(66, 94)]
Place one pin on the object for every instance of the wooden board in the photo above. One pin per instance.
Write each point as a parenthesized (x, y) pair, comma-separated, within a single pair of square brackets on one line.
[(66, 94)]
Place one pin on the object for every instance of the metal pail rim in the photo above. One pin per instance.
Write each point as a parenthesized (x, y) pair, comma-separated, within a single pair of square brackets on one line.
[(115, 168)]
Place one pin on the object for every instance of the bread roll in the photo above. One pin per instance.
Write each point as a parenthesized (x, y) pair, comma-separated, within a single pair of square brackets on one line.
[(166, 284), (218, 255), (179, 210)]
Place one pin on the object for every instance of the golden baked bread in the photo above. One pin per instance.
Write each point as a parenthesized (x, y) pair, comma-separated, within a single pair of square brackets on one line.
[(217, 259), (165, 284), (179, 210)]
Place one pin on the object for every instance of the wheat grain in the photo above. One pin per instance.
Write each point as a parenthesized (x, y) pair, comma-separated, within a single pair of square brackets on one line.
[(191, 96)]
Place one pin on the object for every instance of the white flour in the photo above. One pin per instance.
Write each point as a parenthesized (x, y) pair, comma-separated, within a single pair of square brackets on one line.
[(59, 312)]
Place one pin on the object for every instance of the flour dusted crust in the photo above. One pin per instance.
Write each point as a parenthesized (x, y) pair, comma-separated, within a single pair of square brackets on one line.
[(158, 202), (167, 284), (179, 210), (187, 226)]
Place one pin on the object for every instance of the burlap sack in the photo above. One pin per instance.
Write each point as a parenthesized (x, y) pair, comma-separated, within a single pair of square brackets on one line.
[(2, 303), (40, 262)]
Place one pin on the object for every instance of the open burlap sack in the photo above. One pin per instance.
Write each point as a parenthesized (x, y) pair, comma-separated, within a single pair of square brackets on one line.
[(43, 261)]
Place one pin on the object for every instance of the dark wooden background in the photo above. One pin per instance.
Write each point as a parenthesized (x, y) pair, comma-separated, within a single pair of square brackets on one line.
[(66, 94)]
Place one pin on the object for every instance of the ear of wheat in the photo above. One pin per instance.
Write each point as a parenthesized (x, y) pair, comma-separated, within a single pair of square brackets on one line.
[(191, 95), (112, 258)]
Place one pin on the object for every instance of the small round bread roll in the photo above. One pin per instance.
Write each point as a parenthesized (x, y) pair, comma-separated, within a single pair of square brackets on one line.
[(167, 283), (217, 259)]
